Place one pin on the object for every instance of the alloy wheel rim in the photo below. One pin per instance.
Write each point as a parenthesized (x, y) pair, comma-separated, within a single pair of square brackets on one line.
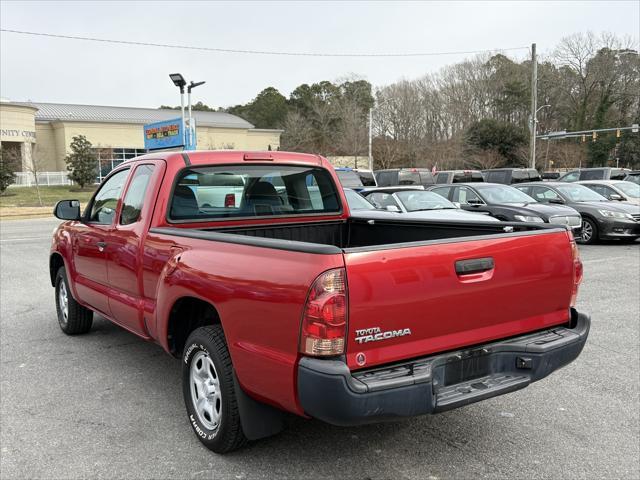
[(587, 231), (205, 390), (63, 301)]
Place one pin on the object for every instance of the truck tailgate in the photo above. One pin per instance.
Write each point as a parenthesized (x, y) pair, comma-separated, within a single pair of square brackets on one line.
[(416, 300)]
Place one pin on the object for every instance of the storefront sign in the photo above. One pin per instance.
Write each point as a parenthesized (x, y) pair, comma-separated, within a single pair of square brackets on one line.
[(18, 135), (167, 134)]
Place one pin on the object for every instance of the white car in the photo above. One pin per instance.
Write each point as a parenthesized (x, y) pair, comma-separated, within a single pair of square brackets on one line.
[(619, 190), (411, 203)]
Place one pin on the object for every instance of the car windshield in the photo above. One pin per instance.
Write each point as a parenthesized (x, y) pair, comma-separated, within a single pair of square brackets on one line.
[(580, 193), (504, 194), (630, 189), (357, 201), (416, 200)]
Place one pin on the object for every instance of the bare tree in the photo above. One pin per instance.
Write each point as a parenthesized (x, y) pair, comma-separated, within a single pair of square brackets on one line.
[(35, 166)]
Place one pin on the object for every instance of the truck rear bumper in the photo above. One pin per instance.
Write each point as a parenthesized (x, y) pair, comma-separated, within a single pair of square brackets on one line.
[(329, 391)]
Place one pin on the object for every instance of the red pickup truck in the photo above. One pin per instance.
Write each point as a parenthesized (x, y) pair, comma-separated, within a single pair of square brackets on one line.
[(250, 268)]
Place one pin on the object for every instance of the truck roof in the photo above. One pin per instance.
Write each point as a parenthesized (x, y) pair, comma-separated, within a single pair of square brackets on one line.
[(208, 157)]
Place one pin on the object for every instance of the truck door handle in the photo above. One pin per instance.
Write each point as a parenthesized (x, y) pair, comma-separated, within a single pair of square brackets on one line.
[(101, 246), (474, 265)]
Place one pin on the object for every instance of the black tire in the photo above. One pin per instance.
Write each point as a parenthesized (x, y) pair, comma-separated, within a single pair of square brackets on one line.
[(78, 319), (590, 234), (203, 344)]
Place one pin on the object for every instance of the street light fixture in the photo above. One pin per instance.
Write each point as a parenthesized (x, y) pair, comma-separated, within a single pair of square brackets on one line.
[(179, 81)]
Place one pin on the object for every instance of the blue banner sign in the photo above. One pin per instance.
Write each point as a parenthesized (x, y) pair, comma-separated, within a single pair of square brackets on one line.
[(166, 134)]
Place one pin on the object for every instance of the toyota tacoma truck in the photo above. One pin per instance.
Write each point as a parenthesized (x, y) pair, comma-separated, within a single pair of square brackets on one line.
[(249, 267)]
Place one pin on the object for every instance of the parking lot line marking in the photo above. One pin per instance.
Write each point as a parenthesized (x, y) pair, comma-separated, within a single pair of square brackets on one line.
[(598, 260), (23, 238)]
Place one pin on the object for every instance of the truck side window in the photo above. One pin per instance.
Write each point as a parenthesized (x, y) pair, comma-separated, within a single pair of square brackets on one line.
[(442, 177), (102, 209), (133, 199), (592, 174)]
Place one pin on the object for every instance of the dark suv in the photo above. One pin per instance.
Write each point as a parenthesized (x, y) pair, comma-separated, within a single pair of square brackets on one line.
[(459, 176), (404, 176), (509, 176), (600, 173)]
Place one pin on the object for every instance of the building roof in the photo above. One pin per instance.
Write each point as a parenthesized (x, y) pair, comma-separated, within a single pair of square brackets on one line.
[(66, 112)]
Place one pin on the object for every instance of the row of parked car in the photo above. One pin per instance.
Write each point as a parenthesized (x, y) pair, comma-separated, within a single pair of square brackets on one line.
[(595, 209)]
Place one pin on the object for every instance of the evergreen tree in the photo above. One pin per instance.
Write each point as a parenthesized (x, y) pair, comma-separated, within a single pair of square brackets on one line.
[(8, 166), (82, 162)]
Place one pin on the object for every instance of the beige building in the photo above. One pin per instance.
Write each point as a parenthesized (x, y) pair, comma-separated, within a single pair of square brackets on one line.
[(42, 132)]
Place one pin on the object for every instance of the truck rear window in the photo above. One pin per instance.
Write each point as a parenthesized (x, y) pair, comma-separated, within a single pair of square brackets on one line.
[(222, 192)]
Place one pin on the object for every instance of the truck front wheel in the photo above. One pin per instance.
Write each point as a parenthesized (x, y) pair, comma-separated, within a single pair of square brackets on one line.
[(207, 386), (73, 318)]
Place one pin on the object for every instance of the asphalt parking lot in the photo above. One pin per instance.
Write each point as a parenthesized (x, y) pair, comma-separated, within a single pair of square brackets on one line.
[(108, 405)]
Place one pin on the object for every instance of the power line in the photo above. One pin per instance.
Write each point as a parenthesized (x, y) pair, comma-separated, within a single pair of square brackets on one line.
[(256, 52)]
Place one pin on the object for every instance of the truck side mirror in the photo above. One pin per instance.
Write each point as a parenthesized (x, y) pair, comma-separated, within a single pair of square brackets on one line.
[(67, 210), (615, 196), (557, 201), (393, 208)]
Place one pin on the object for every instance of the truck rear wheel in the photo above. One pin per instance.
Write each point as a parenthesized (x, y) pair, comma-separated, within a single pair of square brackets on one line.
[(209, 396), (73, 318)]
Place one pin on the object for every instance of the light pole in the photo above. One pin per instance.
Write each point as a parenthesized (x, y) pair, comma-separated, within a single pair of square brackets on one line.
[(370, 132), (371, 109), (192, 130), (534, 129), (179, 81)]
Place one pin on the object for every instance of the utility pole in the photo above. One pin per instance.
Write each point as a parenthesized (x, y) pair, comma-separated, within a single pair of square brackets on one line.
[(370, 133), (534, 106)]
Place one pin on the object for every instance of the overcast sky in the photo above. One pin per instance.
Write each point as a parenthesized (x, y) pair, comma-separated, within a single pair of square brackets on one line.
[(73, 71)]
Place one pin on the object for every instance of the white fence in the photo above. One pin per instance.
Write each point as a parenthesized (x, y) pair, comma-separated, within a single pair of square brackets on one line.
[(27, 179)]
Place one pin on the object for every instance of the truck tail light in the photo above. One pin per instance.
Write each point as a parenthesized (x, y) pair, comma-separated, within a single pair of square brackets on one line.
[(578, 269), (324, 320), (229, 200)]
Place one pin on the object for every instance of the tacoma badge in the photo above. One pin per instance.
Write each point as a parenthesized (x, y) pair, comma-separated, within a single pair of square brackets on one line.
[(374, 334)]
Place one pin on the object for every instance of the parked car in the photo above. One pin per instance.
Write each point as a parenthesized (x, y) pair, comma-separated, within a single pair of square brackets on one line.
[(506, 203), (254, 299), (601, 218), (459, 176), (404, 176), (509, 176), (416, 203), (349, 178), (599, 173), (620, 191), (633, 176), (367, 177)]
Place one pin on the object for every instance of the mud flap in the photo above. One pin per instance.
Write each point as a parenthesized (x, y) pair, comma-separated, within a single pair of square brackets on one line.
[(258, 420)]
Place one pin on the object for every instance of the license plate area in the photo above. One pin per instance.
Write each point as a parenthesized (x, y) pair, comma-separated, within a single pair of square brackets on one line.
[(468, 368)]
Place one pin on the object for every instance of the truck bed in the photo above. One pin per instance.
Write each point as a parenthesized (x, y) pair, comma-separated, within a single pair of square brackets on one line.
[(354, 233)]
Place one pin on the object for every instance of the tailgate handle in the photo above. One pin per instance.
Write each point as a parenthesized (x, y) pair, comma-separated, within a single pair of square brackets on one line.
[(474, 265)]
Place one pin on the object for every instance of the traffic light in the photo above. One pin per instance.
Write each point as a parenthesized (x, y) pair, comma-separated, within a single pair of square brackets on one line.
[(594, 135), (618, 133), (584, 137)]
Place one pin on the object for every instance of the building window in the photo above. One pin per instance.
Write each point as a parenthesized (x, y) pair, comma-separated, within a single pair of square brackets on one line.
[(110, 158)]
